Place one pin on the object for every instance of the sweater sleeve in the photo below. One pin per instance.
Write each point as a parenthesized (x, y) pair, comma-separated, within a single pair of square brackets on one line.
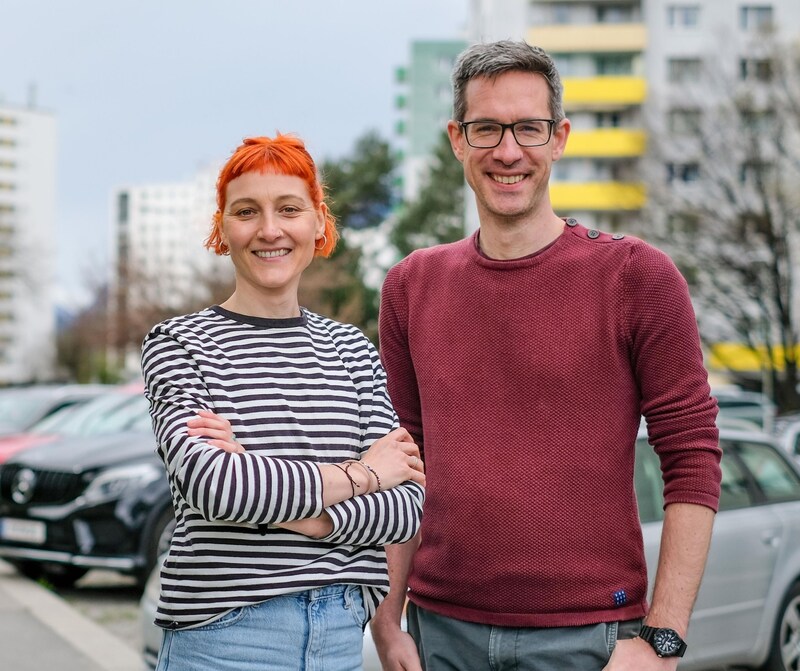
[(396, 355), (391, 516), (244, 488), (673, 382)]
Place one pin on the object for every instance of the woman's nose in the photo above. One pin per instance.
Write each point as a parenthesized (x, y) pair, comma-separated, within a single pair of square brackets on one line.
[(270, 228)]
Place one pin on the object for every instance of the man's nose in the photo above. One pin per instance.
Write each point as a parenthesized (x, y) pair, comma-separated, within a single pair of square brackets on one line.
[(508, 151)]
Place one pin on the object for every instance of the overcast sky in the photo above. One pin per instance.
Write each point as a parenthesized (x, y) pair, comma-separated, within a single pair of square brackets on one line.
[(149, 90)]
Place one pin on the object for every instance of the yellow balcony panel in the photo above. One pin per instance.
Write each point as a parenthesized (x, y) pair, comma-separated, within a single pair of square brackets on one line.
[(605, 196), (590, 38), (739, 357), (606, 143), (598, 92)]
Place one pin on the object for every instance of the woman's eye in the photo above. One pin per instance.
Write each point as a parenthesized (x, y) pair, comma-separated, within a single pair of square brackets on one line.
[(245, 212)]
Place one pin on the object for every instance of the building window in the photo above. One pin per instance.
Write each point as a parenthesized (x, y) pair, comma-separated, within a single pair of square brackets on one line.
[(683, 172), (8, 121), (7, 142), (752, 172), (684, 121), (614, 14), (565, 64), (681, 70), (755, 17), (607, 119), (561, 14), (760, 121), (755, 69), (683, 16), (614, 64)]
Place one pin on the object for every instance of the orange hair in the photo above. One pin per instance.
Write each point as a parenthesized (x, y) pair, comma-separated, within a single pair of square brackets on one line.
[(284, 155)]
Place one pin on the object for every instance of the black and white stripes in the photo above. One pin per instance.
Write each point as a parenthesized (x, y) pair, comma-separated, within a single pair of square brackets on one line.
[(298, 392)]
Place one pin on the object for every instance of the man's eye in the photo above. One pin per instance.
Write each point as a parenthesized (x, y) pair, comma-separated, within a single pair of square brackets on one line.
[(530, 127)]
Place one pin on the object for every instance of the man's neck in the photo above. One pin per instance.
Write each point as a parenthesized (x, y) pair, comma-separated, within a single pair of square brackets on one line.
[(515, 240)]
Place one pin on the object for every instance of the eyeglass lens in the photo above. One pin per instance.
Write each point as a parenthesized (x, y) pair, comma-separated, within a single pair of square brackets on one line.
[(527, 133)]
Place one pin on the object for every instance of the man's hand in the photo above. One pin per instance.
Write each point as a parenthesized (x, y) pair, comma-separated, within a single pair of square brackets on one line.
[(396, 649), (634, 654)]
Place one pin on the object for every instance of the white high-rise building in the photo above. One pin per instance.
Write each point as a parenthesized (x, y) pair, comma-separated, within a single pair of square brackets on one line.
[(159, 258), (27, 244)]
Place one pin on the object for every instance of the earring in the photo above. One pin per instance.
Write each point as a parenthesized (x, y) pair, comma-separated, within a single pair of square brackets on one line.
[(324, 242), (224, 249)]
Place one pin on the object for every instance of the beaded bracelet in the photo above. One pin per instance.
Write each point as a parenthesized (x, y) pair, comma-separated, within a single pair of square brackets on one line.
[(353, 483), (372, 470)]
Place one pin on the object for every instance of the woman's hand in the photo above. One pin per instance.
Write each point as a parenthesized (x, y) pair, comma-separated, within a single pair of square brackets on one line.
[(210, 425), (395, 459)]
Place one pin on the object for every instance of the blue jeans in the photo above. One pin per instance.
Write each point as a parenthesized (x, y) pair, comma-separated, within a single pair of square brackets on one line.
[(446, 644), (317, 630)]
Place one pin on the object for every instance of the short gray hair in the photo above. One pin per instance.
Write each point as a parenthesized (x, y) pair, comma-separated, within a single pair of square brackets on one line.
[(495, 58)]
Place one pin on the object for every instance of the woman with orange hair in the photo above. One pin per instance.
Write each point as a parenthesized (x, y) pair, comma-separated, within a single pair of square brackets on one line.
[(287, 469)]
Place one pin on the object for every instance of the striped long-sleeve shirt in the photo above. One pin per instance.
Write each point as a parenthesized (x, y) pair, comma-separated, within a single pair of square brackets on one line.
[(298, 392)]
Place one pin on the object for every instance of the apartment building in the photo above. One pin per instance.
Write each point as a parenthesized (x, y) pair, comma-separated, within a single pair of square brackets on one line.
[(425, 104), (159, 258), (27, 244), (623, 62)]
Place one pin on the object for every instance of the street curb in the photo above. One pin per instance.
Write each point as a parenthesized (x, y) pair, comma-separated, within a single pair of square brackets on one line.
[(103, 648)]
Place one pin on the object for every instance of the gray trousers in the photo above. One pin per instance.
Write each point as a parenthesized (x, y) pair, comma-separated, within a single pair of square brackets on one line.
[(445, 644)]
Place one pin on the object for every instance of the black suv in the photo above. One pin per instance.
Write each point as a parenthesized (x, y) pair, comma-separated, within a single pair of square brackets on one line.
[(86, 502)]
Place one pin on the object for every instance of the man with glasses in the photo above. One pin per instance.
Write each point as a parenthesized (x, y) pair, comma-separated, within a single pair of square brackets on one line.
[(521, 360)]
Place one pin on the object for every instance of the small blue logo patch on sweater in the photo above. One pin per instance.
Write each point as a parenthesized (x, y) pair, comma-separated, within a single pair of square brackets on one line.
[(620, 598)]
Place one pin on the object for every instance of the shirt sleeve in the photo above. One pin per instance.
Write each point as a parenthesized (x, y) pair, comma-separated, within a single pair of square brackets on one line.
[(673, 381), (244, 488), (396, 356), (391, 516)]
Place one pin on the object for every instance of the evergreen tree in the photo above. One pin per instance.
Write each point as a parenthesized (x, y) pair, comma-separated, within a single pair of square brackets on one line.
[(437, 215)]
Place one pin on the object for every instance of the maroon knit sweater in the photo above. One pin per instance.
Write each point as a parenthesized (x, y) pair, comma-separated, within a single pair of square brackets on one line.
[(523, 381)]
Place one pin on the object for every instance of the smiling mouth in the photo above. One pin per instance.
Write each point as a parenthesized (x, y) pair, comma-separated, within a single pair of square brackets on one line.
[(508, 179), (271, 254)]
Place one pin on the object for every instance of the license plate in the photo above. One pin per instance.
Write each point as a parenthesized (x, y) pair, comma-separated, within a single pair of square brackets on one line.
[(22, 531)]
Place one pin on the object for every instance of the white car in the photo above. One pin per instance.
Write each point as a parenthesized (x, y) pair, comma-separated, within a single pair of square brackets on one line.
[(748, 610)]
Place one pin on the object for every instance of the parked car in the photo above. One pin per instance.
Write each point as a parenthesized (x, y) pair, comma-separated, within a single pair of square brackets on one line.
[(113, 410), (787, 431), (86, 502), (22, 407), (748, 609), (750, 405)]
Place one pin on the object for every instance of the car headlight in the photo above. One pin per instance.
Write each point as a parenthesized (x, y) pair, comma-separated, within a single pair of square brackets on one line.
[(115, 482)]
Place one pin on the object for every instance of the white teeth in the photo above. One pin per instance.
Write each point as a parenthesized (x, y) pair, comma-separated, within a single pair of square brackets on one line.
[(507, 179), (272, 254)]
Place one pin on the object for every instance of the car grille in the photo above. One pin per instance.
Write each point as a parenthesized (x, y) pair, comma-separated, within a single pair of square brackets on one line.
[(51, 487)]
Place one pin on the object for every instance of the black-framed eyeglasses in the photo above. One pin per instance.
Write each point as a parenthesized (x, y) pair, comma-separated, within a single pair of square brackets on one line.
[(489, 134)]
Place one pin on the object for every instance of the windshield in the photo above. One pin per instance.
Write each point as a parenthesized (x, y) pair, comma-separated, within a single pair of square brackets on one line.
[(19, 408), (105, 414)]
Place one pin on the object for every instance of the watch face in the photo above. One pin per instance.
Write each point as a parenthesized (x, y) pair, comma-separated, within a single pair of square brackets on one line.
[(666, 641)]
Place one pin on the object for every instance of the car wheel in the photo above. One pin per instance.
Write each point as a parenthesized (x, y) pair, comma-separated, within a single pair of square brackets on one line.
[(157, 544), (785, 649)]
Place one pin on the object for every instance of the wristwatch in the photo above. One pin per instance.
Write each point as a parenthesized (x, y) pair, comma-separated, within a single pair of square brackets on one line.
[(665, 642)]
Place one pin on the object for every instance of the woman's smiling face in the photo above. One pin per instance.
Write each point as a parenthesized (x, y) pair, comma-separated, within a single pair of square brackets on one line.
[(270, 226)]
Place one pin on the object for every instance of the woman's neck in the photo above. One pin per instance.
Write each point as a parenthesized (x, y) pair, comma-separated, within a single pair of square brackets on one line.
[(266, 307)]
